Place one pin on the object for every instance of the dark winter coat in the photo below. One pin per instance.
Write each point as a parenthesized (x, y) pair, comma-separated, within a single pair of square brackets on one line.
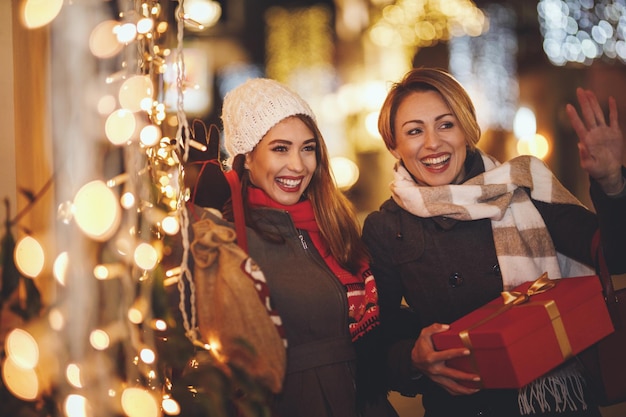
[(445, 268), (321, 358)]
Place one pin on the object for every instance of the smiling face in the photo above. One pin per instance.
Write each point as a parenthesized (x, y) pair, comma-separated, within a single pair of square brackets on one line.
[(283, 162), (429, 139)]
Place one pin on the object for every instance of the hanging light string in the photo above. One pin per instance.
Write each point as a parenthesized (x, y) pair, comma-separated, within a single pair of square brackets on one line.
[(189, 323)]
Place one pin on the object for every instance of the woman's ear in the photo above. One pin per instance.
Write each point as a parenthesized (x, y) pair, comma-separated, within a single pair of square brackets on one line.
[(395, 154)]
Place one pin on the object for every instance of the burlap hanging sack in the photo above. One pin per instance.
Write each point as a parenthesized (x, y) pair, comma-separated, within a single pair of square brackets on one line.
[(234, 313)]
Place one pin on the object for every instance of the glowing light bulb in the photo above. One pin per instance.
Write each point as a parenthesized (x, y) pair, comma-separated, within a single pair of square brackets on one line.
[(96, 210), (150, 135), (23, 383), (76, 406), (22, 348), (72, 374), (127, 200), (147, 355), (146, 256), (524, 123), (134, 90), (170, 407), (345, 172), (137, 402), (38, 13), (99, 339), (59, 269), (29, 257), (537, 146), (103, 41), (170, 225), (120, 126), (126, 33), (56, 319), (145, 25)]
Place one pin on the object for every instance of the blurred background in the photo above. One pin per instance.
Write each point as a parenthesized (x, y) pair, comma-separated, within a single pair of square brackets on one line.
[(520, 61)]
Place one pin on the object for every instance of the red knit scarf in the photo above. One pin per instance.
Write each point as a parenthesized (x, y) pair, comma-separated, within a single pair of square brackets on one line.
[(360, 288)]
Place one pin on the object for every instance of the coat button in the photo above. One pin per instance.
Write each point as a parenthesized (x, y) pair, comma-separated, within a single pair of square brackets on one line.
[(496, 270), (455, 280)]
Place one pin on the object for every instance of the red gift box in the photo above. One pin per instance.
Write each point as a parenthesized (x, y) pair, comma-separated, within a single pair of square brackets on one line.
[(529, 331)]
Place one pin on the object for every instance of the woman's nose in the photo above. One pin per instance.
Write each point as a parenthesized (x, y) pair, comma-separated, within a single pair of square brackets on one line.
[(295, 162), (431, 139)]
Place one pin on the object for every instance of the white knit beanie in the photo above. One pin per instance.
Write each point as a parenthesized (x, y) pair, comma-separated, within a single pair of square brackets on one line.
[(253, 108)]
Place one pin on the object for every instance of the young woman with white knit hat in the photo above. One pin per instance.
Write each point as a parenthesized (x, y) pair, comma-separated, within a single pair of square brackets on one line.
[(303, 233)]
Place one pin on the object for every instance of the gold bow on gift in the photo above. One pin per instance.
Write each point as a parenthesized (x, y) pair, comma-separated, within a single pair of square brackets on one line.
[(515, 298), (541, 284)]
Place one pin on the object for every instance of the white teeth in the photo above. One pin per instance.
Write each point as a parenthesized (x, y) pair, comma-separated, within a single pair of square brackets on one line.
[(435, 161), (288, 183)]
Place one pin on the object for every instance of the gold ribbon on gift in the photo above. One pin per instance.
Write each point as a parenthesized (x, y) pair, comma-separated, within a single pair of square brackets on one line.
[(515, 298)]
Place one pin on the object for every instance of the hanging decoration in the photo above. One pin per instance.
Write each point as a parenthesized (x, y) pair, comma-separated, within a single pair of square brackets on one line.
[(123, 354)]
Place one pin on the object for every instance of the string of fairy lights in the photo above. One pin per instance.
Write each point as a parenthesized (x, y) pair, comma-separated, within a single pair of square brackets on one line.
[(129, 215)]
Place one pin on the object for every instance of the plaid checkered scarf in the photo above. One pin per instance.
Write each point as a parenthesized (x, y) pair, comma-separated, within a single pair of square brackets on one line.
[(523, 244)]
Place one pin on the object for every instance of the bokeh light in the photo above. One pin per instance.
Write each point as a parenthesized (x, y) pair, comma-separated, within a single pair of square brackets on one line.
[(38, 13), (103, 42), (134, 90), (21, 382), (120, 126), (137, 402), (96, 210), (29, 256)]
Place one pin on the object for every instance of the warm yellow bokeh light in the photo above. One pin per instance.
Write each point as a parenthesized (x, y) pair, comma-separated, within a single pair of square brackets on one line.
[(345, 171), (96, 210), (537, 146), (371, 124), (108, 271), (159, 324), (134, 90), (170, 407), (135, 315), (59, 269), (72, 373), (23, 383), (126, 33), (56, 319), (150, 135), (76, 406), (137, 402), (120, 126), (106, 105), (147, 355), (170, 225), (99, 339), (103, 41), (127, 200), (29, 256), (38, 13), (22, 348), (146, 256), (145, 25), (205, 12)]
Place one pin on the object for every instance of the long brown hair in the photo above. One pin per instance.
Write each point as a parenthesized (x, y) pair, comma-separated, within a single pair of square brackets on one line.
[(334, 213), (429, 79)]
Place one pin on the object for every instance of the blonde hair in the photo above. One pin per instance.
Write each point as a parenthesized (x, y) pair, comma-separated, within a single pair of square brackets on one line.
[(429, 79)]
